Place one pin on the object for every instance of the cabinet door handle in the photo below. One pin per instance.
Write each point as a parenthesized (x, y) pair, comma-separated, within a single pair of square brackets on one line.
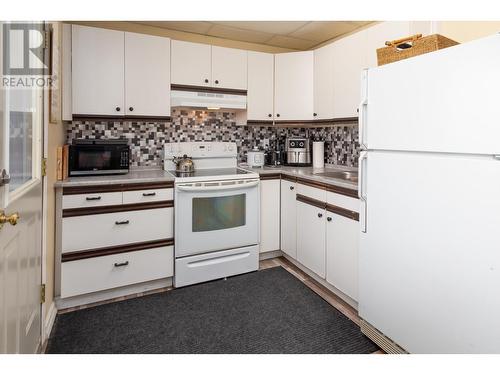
[(130, 109), (122, 222), (216, 81), (320, 215), (291, 188), (329, 219), (206, 80), (269, 115), (315, 114), (118, 109), (93, 198), (122, 264), (277, 115), (148, 194)]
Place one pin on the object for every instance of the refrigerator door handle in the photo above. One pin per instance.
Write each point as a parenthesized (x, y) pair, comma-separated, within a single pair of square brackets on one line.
[(362, 109), (363, 158)]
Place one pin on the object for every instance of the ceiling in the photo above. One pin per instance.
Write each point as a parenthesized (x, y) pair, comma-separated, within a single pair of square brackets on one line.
[(299, 35)]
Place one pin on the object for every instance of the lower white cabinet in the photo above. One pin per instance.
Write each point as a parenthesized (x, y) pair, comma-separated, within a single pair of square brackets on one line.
[(270, 215), (116, 228), (289, 218), (112, 271), (342, 243), (311, 237)]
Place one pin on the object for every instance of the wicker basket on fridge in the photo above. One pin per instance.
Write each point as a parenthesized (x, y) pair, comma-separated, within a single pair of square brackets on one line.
[(412, 46)]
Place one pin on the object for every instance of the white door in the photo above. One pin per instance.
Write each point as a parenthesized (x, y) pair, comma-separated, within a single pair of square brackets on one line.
[(98, 71), (323, 82), (342, 243), (443, 101), (191, 63), (269, 215), (429, 265), (21, 116), (349, 54), (260, 95), (294, 81), (229, 68), (147, 75), (311, 237), (289, 218)]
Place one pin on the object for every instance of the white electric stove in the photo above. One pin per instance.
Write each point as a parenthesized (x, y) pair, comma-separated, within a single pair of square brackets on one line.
[(217, 213)]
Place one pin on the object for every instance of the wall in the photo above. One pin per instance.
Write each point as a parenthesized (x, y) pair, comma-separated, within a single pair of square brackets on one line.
[(465, 31), (147, 138), (56, 136)]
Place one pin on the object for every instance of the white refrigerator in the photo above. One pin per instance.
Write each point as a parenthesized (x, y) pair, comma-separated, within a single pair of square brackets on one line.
[(429, 260)]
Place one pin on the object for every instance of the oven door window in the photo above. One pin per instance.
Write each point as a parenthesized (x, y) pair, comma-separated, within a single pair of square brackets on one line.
[(216, 213)]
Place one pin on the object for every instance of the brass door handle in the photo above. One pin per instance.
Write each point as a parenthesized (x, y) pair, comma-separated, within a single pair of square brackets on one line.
[(11, 219)]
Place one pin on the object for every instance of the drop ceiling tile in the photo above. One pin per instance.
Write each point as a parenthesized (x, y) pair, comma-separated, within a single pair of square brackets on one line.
[(289, 42), (234, 33), (197, 27), (271, 27), (321, 31)]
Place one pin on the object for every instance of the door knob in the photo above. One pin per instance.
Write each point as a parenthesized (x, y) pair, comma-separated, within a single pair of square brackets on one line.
[(11, 219)]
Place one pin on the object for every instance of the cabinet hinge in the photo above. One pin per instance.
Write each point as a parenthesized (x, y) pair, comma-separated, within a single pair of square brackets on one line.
[(42, 293), (44, 167)]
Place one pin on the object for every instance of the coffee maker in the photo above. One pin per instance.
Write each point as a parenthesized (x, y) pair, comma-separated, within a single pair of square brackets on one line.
[(275, 153), (298, 151)]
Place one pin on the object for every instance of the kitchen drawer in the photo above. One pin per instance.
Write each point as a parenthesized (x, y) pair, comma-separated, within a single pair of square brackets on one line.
[(312, 192), (151, 195), (343, 201), (91, 200), (101, 230), (104, 272)]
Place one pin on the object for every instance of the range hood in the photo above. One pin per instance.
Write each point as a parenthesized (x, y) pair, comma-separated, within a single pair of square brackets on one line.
[(210, 100)]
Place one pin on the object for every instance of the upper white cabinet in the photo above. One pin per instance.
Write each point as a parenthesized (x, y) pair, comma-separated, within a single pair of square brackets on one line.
[(270, 215), (191, 63), (293, 96), (349, 54), (260, 95), (229, 68), (116, 73), (98, 70), (196, 64), (147, 75), (324, 82)]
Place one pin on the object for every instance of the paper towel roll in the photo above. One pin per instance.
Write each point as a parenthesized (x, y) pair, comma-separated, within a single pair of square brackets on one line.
[(318, 154)]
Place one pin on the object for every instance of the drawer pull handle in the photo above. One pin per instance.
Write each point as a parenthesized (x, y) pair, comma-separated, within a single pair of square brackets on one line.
[(122, 222), (93, 198), (148, 194), (123, 264)]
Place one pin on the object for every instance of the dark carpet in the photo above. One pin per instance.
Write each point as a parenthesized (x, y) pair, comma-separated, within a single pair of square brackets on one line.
[(268, 311)]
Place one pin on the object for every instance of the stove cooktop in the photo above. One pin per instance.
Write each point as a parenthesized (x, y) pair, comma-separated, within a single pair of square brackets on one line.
[(213, 174)]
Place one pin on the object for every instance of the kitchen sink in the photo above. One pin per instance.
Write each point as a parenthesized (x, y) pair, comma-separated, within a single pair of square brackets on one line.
[(343, 175)]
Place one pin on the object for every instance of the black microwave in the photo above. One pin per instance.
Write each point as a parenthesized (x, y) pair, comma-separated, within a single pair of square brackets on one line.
[(90, 157)]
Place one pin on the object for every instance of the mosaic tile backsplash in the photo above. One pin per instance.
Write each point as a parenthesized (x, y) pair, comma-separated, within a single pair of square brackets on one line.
[(148, 137)]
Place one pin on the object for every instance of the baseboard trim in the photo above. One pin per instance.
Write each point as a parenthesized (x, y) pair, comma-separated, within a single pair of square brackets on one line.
[(270, 254), (351, 302), (101, 296)]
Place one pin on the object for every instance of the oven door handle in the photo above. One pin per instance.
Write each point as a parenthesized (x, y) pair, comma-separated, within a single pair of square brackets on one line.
[(245, 185)]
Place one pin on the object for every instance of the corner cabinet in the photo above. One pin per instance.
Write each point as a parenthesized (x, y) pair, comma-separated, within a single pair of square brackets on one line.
[(269, 213), (289, 217), (324, 83), (117, 73), (260, 95), (293, 90), (196, 64)]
